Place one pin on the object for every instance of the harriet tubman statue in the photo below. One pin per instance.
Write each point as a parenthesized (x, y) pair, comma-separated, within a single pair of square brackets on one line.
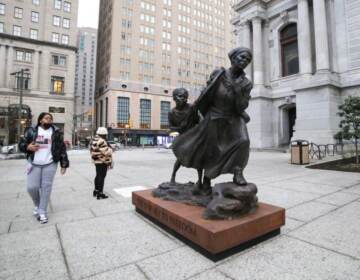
[(219, 144)]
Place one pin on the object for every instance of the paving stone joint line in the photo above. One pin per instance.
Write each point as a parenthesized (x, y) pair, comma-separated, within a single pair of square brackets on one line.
[(127, 264), (326, 213), (93, 213), (63, 253), (316, 200), (225, 274), (71, 221), (142, 271), (322, 247)]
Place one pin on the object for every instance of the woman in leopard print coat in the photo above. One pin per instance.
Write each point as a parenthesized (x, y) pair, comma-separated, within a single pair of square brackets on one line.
[(101, 154)]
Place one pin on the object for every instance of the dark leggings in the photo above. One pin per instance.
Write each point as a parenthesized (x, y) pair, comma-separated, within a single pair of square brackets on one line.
[(101, 170)]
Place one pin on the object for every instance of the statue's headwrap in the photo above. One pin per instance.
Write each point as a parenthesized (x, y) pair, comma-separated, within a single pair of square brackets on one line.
[(239, 50)]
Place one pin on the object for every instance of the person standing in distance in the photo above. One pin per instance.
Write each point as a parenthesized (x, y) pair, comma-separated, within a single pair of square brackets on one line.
[(101, 154), (44, 147)]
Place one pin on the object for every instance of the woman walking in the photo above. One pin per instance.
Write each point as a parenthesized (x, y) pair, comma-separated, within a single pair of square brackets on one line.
[(101, 154), (44, 147)]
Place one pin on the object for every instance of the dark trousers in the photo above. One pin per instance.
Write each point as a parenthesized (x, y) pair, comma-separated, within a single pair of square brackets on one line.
[(101, 170)]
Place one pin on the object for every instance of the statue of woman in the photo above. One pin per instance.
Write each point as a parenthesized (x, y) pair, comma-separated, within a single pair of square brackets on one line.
[(219, 144)]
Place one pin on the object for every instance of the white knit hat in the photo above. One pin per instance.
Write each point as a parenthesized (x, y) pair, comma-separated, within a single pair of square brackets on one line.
[(101, 131)]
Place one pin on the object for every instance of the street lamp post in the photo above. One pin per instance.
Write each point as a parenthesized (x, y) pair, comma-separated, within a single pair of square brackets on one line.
[(126, 130), (20, 75), (75, 116)]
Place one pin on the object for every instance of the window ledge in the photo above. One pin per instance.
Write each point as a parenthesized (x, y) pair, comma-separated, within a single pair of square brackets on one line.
[(58, 66), (56, 93), (25, 90), (285, 78), (23, 62)]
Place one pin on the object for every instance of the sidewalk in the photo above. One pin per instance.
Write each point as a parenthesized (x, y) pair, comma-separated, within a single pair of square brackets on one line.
[(105, 239)]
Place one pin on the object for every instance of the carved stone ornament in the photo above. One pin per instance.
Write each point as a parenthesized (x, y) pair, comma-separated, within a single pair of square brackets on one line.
[(284, 16)]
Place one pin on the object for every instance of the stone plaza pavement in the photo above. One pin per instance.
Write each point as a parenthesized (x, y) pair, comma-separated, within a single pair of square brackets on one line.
[(106, 239)]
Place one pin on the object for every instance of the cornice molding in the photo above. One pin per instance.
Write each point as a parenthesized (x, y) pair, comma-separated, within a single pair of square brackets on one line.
[(243, 3), (37, 42), (259, 8), (254, 9), (30, 93)]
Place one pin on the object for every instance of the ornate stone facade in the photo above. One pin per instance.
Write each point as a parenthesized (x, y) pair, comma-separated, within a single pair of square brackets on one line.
[(325, 53)]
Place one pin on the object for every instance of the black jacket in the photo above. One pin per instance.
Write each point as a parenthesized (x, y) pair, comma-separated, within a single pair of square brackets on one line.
[(58, 148)]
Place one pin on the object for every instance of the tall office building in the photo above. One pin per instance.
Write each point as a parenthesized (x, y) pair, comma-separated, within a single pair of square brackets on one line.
[(39, 36), (146, 48), (85, 80)]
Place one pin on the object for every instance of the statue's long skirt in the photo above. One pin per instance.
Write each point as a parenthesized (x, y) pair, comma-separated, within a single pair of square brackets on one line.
[(216, 144)]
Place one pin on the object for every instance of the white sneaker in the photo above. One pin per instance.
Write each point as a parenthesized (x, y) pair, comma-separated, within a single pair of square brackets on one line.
[(36, 211), (43, 219)]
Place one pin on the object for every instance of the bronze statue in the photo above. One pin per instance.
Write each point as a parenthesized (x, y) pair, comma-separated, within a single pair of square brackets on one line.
[(181, 118), (219, 144)]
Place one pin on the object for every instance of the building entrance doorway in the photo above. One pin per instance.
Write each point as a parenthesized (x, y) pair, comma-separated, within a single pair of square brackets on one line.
[(287, 123), (292, 119)]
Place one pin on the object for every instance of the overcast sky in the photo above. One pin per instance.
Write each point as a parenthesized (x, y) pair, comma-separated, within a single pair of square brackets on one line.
[(88, 13)]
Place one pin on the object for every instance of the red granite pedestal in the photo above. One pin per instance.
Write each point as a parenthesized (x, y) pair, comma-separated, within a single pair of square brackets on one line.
[(216, 239)]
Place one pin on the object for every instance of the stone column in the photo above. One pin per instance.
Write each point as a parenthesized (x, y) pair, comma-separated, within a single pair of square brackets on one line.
[(246, 42), (257, 52), (304, 39), (35, 72), (2, 65), (246, 36), (321, 36), (45, 80), (9, 66), (70, 75), (238, 35)]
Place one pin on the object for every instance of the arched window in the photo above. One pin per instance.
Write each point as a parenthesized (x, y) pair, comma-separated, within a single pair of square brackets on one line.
[(289, 50)]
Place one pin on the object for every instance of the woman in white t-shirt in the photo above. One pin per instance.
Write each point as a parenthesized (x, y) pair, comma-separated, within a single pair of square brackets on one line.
[(44, 146)]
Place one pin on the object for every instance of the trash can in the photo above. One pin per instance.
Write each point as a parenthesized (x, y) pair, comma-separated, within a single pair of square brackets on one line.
[(300, 152)]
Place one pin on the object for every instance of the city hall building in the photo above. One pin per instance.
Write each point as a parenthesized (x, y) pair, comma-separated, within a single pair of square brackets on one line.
[(306, 61)]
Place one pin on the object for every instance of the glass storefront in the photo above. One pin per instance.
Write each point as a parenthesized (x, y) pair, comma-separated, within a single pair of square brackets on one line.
[(163, 140), (139, 138), (147, 140)]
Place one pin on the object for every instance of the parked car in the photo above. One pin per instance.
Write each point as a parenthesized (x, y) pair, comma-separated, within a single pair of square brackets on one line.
[(9, 149), (114, 145)]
